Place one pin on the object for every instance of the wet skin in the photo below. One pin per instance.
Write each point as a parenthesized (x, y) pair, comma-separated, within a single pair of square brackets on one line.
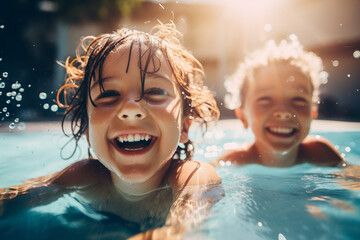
[(120, 119), (278, 108)]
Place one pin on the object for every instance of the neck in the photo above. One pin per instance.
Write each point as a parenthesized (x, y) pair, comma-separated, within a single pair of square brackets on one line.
[(139, 190), (272, 158)]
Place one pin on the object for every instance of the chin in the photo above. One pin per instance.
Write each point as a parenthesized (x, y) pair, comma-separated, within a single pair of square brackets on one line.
[(134, 174)]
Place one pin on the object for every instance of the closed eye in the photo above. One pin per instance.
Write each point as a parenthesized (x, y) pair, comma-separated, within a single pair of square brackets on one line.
[(299, 102), (156, 95), (263, 101), (156, 91), (107, 95)]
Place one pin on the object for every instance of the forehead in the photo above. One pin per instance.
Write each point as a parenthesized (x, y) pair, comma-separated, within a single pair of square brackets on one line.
[(137, 54), (282, 76)]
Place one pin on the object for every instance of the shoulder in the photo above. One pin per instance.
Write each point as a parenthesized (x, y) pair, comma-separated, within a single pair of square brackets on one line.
[(82, 173), (241, 156), (192, 173), (318, 150)]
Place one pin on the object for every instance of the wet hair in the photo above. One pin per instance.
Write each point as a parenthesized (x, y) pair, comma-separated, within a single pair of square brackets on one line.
[(198, 102), (287, 52)]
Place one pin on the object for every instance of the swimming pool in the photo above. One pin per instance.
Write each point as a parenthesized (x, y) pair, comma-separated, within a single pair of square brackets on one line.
[(301, 202)]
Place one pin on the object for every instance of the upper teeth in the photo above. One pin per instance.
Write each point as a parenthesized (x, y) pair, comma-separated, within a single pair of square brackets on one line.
[(281, 130), (133, 137)]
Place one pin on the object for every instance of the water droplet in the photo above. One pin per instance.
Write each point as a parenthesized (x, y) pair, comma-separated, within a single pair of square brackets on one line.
[(46, 106), (2, 26), (356, 54), (18, 105), (260, 224), (29, 85), (4, 109), (54, 108), (21, 90), (267, 27), (8, 94), (21, 126), (7, 114), (2, 85), (13, 93), (335, 63), (15, 85), (348, 75), (324, 81), (42, 95), (0, 59), (16, 120), (12, 125), (5, 74), (8, 101), (18, 97), (347, 149)]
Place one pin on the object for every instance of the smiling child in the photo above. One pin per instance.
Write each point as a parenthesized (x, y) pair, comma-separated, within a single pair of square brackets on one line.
[(134, 96), (275, 93)]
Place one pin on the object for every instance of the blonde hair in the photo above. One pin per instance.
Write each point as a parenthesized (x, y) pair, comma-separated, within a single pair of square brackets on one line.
[(289, 52)]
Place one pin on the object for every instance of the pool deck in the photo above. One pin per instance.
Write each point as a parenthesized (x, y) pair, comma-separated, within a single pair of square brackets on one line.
[(318, 125)]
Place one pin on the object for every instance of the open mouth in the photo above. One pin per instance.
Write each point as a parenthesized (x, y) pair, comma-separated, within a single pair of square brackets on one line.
[(282, 131), (134, 143)]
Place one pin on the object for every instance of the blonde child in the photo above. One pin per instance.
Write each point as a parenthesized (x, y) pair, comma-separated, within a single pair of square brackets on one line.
[(275, 93), (134, 96)]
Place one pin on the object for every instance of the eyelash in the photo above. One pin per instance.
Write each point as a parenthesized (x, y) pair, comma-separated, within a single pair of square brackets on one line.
[(106, 94), (156, 91)]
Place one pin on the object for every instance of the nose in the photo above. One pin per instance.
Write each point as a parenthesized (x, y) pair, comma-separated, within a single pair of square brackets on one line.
[(282, 114), (132, 111)]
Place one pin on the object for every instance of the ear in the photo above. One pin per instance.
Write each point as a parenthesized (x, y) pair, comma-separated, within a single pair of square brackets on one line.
[(314, 112), (185, 130), (240, 115)]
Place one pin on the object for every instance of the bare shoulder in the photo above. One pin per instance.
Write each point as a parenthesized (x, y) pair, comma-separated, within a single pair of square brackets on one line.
[(241, 156), (318, 150), (81, 173), (192, 173)]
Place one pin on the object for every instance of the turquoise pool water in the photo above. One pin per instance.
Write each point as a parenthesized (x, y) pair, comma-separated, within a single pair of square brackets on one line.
[(301, 202)]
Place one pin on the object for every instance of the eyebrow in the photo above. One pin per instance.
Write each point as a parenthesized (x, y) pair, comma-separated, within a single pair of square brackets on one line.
[(265, 89), (150, 75), (96, 83)]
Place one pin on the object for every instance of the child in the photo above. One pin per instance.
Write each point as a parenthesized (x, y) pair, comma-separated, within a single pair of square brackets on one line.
[(275, 93), (134, 96)]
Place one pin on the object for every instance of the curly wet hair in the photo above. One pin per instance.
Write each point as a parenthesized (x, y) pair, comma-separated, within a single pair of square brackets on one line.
[(289, 52), (198, 101)]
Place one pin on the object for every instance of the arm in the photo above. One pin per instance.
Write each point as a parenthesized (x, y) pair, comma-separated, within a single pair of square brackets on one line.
[(42, 190), (196, 187)]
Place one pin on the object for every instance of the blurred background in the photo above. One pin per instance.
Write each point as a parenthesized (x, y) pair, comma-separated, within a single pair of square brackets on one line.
[(34, 34)]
